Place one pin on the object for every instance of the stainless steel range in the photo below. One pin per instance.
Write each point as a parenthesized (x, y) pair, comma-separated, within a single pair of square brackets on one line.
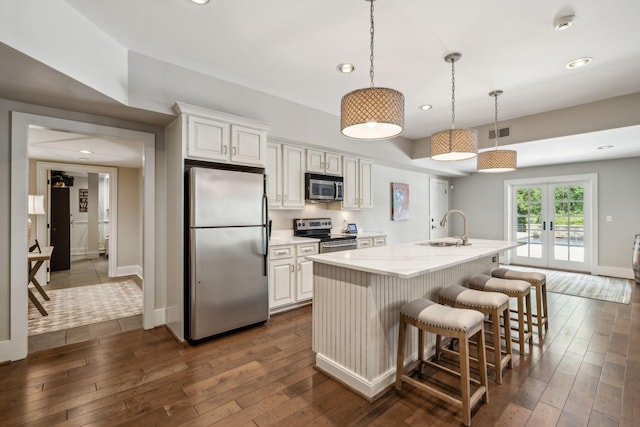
[(320, 228)]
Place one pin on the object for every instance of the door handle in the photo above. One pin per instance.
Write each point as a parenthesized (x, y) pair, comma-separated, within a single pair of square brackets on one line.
[(544, 225), (551, 225), (433, 227)]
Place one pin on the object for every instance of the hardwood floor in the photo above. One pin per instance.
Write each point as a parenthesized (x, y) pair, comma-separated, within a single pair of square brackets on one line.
[(585, 372)]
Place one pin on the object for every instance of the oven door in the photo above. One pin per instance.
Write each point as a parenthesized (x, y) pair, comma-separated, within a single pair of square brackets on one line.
[(337, 245)]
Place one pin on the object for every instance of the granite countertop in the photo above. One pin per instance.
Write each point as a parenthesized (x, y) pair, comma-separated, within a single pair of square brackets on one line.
[(409, 260)]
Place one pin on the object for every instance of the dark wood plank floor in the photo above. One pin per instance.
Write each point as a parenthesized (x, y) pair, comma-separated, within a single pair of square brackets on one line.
[(585, 372)]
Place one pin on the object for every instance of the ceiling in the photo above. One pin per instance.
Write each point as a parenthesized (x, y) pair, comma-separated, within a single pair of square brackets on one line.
[(290, 49), (68, 147)]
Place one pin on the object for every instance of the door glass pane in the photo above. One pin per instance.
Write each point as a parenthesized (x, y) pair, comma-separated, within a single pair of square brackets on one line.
[(568, 223), (528, 222)]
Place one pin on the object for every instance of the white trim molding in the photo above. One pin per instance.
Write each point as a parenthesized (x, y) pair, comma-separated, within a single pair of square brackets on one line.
[(20, 122), (591, 203)]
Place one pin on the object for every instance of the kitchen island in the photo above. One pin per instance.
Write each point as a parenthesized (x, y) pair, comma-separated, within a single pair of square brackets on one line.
[(357, 297)]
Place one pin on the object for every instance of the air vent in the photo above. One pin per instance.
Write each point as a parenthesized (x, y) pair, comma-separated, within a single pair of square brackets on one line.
[(503, 133)]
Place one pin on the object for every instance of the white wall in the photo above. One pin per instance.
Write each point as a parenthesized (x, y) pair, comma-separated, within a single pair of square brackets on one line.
[(129, 217), (378, 218), (481, 197)]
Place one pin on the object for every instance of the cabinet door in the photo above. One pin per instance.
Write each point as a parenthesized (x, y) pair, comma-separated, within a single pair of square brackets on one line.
[(315, 161), (366, 186), (333, 164), (274, 175), (282, 276), (292, 177), (248, 145), (305, 280), (350, 171), (207, 139)]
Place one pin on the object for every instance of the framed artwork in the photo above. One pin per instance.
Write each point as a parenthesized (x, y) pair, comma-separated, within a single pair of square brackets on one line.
[(83, 196), (399, 201)]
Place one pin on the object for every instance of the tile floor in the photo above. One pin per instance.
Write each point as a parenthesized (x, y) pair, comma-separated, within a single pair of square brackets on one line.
[(82, 273)]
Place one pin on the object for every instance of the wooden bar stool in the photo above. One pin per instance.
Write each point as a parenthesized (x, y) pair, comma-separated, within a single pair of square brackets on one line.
[(518, 289), (492, 304), (459, 323), (539, 282)]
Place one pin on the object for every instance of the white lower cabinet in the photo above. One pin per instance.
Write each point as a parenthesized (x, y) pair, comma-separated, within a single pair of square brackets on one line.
[(290, 276), (364, 242), (380, 241), (370, 242)]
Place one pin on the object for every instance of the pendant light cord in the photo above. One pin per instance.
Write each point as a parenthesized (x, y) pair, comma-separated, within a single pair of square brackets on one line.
[(495, 95), (453, 94), (371, 31)]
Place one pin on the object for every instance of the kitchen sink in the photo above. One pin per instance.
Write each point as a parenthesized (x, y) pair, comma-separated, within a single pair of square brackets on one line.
[(437, 243)]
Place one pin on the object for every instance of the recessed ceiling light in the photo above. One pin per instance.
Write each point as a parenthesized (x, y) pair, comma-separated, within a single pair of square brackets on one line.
[(563, 22), (200, 1), (86, 152), (425, 107), (346, 68), (605, 147), (580, 62)]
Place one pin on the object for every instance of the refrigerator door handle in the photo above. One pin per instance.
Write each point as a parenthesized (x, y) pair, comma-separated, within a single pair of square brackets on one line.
[(265, 228)]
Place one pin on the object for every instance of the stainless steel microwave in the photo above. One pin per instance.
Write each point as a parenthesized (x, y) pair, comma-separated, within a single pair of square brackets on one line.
[(323, 188)]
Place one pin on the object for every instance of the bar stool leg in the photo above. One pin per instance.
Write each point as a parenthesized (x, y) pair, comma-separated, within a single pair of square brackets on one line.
[(521, 324), (539, 310), (529, 318), (497, 353), (544, 305), (463, 343), (482, 359), (400, 362), (506, 324)]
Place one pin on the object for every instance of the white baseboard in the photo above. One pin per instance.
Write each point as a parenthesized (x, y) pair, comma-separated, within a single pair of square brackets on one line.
[(129, 270), (160, 317), (5, 351), (623, 273)]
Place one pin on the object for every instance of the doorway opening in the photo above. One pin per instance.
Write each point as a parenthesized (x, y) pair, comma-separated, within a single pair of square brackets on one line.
[(553, 219), (21, 124)]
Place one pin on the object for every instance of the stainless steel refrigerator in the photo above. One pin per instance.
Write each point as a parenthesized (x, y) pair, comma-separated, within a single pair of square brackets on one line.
[(228, 246)]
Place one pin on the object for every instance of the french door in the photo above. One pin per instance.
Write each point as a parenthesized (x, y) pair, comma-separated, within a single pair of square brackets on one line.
[(553, 223)]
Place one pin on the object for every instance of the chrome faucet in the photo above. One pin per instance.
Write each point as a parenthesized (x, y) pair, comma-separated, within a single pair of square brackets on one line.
[(465, 239)]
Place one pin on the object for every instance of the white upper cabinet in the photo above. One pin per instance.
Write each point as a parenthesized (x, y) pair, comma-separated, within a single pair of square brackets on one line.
[(285, 176), (224, 138), (207, 139), (248, 145), (274, 174), (324, 162), (358, 186)]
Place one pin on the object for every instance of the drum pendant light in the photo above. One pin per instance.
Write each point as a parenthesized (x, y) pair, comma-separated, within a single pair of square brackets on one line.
[(495, 160), (454, 144), (374, 112)]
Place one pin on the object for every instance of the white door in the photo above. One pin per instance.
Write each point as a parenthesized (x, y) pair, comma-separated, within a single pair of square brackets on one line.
[(553, 221), (438, 206)]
